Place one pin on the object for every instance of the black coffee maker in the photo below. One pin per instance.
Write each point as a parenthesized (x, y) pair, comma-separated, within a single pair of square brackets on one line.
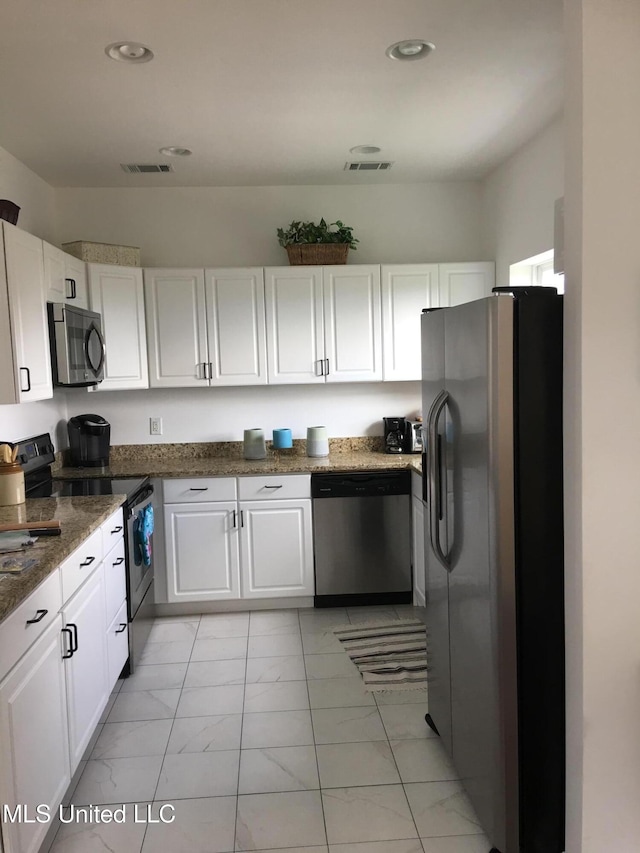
[(89, 437), (394, 434)]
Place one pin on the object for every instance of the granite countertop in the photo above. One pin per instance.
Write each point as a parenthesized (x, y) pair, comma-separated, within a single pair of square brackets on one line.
[(78, 516)]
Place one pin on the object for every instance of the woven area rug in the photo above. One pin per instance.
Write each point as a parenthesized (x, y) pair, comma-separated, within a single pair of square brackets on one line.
[(389, 655)]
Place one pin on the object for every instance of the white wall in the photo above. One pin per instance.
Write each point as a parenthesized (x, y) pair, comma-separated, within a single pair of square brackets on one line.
[(236, 226), (222, 414), (518, 200), (27, 419), (602, 417), (34, 196)]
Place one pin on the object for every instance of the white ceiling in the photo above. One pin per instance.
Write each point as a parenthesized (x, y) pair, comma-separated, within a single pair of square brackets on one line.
[(269, 92)]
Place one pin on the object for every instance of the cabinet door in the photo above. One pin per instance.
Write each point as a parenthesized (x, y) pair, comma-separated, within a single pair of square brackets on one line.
[(176, 323), (236, 326), (417, 551), (86, 670), (117, 645), (465, 282), (202, 551), (295, 327), (353, 332), (276, 548), (77, 292), (117, 294), (34, 750), (406, 290), (28, 311), (54, 273)]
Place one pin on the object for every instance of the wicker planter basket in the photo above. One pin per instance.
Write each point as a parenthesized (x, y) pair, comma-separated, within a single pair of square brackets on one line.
[(318, 253)]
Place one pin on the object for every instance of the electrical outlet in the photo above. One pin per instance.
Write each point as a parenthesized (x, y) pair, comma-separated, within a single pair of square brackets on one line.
[(155, 426)]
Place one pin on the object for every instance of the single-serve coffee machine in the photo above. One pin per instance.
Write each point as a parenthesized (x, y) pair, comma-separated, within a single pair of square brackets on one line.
[(394, 434), (89, 437)]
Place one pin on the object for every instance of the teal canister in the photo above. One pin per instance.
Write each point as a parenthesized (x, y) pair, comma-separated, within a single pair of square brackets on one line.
[(282, 439)]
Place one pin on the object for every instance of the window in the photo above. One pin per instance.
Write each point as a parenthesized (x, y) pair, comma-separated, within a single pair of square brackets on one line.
[(538, 271)]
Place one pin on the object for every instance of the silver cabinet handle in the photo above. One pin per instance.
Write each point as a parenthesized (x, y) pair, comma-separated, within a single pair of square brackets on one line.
[(273, 487)]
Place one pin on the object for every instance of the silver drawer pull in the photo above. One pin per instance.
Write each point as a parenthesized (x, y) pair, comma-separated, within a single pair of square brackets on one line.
[(87, 562), (123, 626), (118, 562), (273, 487), (201, 489)]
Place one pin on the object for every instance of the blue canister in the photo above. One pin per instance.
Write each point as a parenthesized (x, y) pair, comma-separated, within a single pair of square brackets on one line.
[(282, 439)]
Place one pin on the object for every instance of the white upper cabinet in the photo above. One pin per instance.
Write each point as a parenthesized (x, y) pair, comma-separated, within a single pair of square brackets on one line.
[(465, 282), (77, 292), (176, 326), (352, 325), (295, 326), (236, 326), (25, 362), (406, 290), (54, 273), (117, 294)]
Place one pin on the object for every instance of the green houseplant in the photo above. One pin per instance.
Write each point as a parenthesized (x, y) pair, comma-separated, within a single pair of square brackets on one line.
[(308, 243)]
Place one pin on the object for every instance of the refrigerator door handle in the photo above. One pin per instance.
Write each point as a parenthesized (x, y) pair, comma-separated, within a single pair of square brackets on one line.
[(434, 474)]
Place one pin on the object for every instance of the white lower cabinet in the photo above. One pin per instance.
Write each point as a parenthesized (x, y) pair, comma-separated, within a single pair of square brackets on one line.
[(86, 665), (117, 644), (34, 754)]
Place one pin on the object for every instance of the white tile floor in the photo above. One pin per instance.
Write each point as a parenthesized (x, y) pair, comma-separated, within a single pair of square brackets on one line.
[(257, 729)]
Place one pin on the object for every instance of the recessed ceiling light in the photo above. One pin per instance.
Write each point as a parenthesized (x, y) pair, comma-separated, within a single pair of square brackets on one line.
[(128, 51), (365, 149), (175, 151), (410, 49)]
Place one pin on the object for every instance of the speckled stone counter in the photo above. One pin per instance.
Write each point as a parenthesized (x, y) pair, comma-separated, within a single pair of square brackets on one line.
[(78, 517)]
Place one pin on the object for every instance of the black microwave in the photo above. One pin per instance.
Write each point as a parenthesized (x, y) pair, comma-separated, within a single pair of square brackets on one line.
[(77, 345)]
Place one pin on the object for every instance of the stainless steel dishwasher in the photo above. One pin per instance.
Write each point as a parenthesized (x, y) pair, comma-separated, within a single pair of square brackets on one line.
[(361, 533)]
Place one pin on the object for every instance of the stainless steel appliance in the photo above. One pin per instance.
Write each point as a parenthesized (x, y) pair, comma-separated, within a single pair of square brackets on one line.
[(89, 438), (36, 455), (361, 527), (77, 345), (413, 437), (394, 434), (492, 387)]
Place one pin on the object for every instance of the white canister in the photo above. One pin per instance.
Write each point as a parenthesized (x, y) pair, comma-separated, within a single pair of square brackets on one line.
[(254, 444), (317, 441), (11, 484)]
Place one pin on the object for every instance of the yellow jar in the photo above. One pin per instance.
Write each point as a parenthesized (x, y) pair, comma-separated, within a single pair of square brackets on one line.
[(11, 484)]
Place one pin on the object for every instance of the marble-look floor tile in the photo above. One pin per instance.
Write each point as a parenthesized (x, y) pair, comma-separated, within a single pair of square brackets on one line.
[(288, 668), (273, 623), (223, 626), (283, 768), (377, 813), (205, 734), (423, 760), (339, 693), (170, 632), (205, 825), (199, 774), (280, 645), (276, 696), (358, 615), (330, 666), (123, 740), (407, 845), (162, 676), (144, 705), (322, 643), (457, 844), (344, 765), (178, 652), (118, 780), (417, 696), (111, 701), (279, 820), (210, 701), (347, 725), (85, 837), (278, 728), (442, 808), (215, 673), (322, 849), (323, 619), (405, 721), (227, 648)]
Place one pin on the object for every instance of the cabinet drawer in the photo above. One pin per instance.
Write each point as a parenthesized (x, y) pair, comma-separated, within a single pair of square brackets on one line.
[(115, 583), (112, 530), (17, 632), (200, 490), (117, 644), (274, 488), (84, 560)]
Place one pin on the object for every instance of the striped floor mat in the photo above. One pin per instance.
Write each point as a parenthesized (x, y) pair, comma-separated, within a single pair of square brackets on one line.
[(390, 655)]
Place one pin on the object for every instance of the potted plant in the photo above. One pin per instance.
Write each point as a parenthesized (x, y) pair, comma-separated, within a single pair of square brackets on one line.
[(308, 243)]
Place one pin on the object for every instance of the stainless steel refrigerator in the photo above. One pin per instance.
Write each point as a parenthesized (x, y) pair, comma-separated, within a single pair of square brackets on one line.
[(492, 475)]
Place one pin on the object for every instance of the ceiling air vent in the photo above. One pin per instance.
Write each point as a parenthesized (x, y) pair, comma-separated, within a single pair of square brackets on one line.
[(368, 166), (146, 168)]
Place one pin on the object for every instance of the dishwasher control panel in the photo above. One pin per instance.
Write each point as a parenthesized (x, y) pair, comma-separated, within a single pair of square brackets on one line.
[(366, 484)]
